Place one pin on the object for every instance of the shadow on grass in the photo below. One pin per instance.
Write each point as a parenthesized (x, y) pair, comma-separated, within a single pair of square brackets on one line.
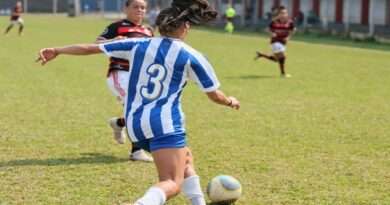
[(252, 77), (87, 158)]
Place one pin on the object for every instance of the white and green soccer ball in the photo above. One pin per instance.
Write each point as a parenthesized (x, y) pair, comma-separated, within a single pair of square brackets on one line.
[(224, 190)]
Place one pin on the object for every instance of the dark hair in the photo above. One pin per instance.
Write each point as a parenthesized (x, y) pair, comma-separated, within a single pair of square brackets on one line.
[(181, 11)]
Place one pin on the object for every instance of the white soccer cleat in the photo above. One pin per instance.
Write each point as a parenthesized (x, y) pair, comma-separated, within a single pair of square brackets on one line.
[(118, 135), (285, 76), (141, 156)]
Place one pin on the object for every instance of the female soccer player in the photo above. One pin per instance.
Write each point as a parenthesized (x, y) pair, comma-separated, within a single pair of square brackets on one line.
[(16, 19), (131, 27), (160, 68), (281, 28)]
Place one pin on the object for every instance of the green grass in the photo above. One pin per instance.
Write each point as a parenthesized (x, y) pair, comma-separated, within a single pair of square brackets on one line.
[(321, 137)]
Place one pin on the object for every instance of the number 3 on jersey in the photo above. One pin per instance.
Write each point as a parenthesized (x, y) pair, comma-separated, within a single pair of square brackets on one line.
[(153, 89)]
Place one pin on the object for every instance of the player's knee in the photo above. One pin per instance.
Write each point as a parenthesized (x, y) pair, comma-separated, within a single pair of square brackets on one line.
[(282, 59), (189, 171)]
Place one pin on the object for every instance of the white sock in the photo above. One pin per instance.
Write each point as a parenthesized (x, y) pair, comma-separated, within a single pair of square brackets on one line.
[(154, 196), (192, 190)]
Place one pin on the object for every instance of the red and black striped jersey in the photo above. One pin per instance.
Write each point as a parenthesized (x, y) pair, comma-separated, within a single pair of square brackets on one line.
[(282, 30), (16, 13), (127, 29)]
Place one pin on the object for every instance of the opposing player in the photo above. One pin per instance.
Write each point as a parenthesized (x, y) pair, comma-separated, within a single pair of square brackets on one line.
[(117, 76), (16, 19), (281, 28), (160, 68)]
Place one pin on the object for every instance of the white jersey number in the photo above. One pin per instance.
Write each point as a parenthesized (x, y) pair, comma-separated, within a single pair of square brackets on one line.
[(157, 74)]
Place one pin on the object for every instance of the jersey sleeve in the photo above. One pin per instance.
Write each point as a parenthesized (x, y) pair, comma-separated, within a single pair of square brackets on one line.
[(203, 73), (121, 48), (110, 32)]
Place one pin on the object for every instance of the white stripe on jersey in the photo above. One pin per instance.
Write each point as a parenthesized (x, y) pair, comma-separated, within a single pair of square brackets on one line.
[(172, 55), (156, 112), (129, 129), (151, 52), (167, 108)]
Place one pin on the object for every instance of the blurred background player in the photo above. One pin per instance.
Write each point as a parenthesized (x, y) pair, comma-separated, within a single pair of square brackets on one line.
[(152, 16), (281, 28), (230, 13), (16, 18), (117, 77), (160, 70)]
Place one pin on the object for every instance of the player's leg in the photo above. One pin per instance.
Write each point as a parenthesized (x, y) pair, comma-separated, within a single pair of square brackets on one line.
[(170, 156), (117, 123), (21, 26), (117, 81), (229, 27), (268, 57), (170, 163), (191, 187), (8, 29), (282, 64)]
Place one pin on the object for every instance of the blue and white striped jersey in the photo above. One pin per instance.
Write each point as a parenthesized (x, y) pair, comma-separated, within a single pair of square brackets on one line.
[(159, 70)]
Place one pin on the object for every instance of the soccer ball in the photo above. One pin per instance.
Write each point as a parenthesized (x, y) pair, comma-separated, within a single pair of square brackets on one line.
[(224, 190)]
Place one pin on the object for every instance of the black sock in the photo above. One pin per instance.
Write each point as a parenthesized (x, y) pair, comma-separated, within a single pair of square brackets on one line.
[(135, 148), (271, 58), (21, 30), (121, 122), (282, 62), (8, 29)]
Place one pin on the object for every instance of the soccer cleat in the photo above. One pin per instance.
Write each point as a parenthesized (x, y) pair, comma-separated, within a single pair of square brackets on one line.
[(285, 76), (118, 135), (141, 156)]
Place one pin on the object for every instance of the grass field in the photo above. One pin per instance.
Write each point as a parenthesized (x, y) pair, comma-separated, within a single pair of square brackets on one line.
[(321, 137)]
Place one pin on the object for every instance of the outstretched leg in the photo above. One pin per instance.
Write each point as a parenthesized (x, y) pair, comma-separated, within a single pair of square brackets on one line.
[(171, 164), (8, 29), (268, 57)]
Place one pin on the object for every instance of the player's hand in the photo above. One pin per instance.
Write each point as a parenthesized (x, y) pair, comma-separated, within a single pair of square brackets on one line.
[(234, 103), (46, 55)]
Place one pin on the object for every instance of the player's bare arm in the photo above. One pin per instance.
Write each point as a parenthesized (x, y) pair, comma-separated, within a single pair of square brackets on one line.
[(220, 98), (48, 54)]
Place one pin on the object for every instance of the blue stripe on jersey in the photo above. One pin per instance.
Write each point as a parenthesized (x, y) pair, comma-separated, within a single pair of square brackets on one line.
[(120, 46), (178, 72), (159, 59), (176, 113), (134, 77), (200, 72)]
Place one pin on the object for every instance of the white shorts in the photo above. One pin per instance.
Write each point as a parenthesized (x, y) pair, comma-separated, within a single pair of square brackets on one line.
[(278, 48), (118, 82), (17, 22)]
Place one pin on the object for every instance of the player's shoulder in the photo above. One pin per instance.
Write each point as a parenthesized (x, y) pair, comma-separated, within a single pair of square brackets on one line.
[(120, 22), (194, 54)]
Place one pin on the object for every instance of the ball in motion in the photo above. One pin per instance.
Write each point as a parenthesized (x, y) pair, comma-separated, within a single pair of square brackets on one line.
[(224, 190)]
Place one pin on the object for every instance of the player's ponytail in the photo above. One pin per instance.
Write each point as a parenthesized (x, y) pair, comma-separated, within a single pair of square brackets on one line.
[(194, 11)]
